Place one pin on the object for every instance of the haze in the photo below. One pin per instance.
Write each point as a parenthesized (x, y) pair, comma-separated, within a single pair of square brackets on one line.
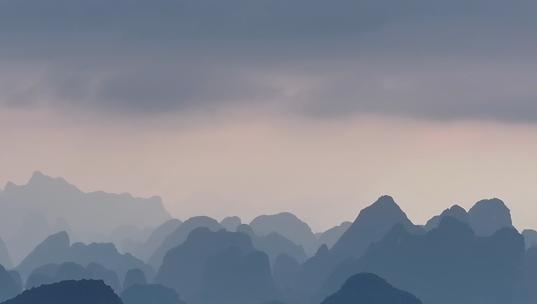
[(316, 111)]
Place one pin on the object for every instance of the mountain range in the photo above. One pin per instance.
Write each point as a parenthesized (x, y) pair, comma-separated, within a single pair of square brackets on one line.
[(46, 205), (458, 256)]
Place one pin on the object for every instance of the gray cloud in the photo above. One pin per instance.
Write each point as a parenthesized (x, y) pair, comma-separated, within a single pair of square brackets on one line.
[(470, 59)]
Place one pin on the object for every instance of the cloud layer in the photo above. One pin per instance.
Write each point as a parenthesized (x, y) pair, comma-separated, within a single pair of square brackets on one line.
[(471, 59)]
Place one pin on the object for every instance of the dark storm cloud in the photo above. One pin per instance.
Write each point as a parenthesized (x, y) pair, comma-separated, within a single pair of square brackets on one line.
[(471, 59)]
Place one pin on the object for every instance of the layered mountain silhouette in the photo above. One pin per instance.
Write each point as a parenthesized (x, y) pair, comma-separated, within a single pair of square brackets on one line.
[(531, 274), (145, 249), (10, 284), (179, 235), (458, 256), (57, 249), (231, 223), (371, 225), (5, 258), (285, 271), (274, 244), (488, 216), (289, 226), (53, 273), (183, 266), (150, 294), (332, 235), (449, 264), (369, 288), (237, 276), (68, 292), (485, 217), (47, 205), (134, 277), (455, 211), (530, 238)]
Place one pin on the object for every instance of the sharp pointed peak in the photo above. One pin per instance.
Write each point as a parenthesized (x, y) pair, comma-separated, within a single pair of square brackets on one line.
[(384, 202)]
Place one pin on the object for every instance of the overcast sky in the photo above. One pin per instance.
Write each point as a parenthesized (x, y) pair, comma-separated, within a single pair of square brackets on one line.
[(247, 107)]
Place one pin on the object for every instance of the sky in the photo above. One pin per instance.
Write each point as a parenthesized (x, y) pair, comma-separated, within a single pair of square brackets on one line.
[(243, 107)]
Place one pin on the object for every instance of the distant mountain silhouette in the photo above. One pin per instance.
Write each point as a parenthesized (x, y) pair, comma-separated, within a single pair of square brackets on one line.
[(128, 238), (183, 266), (10, 284), (237, 277), (488, 216), (179, 235), (53, 273), (57, 249), (449, 264), (231, 223), (332, 235), (46, 205), (289, 226), (370, 289), (5, 258), (145, 249), (134, 277), (530, 238), (274, 244), (456, 212), (68, 292), (51, 250), (150, 294)]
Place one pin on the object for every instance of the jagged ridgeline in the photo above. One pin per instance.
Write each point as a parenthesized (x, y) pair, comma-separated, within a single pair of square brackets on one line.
[(61, 245)]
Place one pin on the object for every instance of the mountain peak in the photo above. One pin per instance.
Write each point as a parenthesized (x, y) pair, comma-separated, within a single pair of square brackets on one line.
[(44, 182), (39, 177), (455, 211), (489, 215), (385, 201), (371, 225), (384, 207), (288, 225), (491, 204)]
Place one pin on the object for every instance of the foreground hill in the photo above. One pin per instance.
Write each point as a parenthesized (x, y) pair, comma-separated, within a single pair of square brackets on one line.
[(368, 288), (68, 292)]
